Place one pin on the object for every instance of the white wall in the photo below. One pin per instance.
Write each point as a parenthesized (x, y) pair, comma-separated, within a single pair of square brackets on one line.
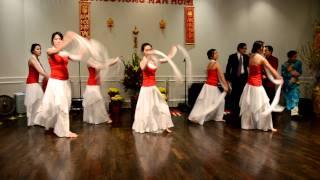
[(220, 24)]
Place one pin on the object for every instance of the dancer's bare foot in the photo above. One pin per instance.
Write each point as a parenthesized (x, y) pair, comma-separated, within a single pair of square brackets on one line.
[(168, 130), (72, 135), (109, 121), (274, 130)]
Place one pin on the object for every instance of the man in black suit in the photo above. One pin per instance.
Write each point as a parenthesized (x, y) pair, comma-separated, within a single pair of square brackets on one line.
[(237, 75)]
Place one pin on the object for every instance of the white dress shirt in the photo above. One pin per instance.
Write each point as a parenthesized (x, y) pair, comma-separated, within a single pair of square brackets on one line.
[(242, 67)]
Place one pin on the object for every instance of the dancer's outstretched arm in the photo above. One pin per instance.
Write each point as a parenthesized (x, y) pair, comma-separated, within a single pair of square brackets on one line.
[(114, 61), (171, 54)]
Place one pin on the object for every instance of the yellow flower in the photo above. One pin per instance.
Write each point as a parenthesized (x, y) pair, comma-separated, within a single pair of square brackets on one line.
[(162, 90), (117, 98), (164, 97), (113, 90)]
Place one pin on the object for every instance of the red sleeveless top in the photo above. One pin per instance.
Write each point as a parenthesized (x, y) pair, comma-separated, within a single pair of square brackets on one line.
[(255, 75), (149, 76), (59, 67), (213, 78), (93, 79), (33, 76)]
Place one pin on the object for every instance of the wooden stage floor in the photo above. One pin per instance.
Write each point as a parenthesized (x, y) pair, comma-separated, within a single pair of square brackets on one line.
[(216, 150)]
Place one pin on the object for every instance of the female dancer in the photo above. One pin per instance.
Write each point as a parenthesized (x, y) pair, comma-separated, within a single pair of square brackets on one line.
[(34, 92), (57, 98), (254, 100), (93, 102), (152, 112), (210, 93)]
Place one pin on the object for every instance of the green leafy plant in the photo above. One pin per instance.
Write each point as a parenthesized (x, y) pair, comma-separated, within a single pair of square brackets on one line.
[(132, 74)]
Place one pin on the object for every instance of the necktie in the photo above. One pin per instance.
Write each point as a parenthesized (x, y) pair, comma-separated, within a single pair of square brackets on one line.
[(239, 66)]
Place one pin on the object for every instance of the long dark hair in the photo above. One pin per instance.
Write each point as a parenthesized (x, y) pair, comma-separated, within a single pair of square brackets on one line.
[(54, 34), (256, 46)]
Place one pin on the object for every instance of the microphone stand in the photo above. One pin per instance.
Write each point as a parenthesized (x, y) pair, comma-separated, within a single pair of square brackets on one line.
[(77, 102), (185, 81), (79, 71), (184, 106)]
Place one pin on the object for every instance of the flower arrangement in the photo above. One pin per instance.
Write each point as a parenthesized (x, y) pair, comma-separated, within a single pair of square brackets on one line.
[(113, 92), (132, 74)]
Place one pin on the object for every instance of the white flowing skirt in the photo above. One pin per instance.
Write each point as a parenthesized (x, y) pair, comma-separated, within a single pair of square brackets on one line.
[(152, 112), (207, 97), (253, 102), (32, 101), (55, 106), (94, 109)]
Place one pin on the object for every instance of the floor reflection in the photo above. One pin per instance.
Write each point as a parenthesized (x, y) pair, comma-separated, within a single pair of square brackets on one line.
[(52, 158), (152, 151), (95, 148), (256, 152)]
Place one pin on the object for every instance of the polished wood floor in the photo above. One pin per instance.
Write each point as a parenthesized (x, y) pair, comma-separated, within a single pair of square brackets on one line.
[(216, 150)]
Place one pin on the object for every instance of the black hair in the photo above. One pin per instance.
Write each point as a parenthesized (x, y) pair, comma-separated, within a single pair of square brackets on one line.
[(54, 34), (210, 53), (291, 53), (256, 46), (241, 46), (144, 45), (270, 48), (33, 47)]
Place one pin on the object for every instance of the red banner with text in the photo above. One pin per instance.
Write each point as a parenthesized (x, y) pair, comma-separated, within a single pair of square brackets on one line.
[(189, 25), (84, 19)]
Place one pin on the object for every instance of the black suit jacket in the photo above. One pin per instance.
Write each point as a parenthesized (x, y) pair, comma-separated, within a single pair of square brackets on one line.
[(232, 67)]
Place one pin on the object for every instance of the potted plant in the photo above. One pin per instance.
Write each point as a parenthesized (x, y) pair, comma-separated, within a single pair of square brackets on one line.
[(133, 78), (116, 104), (310, 54)]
